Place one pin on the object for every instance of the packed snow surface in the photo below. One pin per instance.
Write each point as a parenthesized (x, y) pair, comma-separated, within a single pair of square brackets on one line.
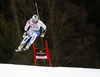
[(11, 70)]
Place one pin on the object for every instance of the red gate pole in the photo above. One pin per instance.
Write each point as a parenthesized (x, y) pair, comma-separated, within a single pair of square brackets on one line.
[(34, 54), (48, 52)]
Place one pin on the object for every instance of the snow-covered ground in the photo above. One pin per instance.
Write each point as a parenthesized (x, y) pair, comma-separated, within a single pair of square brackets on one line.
[(11, 70)]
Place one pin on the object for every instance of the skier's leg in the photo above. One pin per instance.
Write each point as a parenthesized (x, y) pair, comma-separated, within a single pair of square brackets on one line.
[(24, 41), (31, 41)]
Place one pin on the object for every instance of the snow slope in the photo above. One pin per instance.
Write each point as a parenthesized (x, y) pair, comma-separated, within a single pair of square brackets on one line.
[(11, 70)]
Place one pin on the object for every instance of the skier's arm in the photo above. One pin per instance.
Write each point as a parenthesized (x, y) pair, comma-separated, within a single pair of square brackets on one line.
[(27, 25), (44, 29), (26, 28)]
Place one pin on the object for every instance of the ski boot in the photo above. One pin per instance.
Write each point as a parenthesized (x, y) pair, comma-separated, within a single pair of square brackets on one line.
[(27, 47), (19, 48)]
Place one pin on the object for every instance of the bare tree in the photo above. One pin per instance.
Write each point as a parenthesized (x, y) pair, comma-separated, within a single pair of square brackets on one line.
[(17, 26), (51, 24)]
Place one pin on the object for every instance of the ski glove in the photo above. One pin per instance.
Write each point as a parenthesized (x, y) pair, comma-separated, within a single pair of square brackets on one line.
[(24, 34), (43, 32), (42, 35)]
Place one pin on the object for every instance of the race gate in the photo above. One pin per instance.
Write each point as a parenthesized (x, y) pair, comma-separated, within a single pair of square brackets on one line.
[(44, 54)]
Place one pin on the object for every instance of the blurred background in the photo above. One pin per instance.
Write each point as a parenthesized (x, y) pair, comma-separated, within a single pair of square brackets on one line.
[(73, 33)]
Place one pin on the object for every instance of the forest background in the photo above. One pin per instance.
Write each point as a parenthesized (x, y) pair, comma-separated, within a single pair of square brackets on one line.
[(73, 31)]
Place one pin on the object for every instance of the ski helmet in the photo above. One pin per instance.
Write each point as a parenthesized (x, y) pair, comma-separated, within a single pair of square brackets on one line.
[(34, 18)]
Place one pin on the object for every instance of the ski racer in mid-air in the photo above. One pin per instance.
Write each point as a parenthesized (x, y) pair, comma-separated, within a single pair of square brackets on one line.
[(32, 30)]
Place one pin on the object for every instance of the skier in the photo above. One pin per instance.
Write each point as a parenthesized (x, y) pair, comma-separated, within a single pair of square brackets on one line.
[(30, 34)]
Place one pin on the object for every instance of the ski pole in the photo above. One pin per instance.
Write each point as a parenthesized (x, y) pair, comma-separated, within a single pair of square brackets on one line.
[(37, 10)]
